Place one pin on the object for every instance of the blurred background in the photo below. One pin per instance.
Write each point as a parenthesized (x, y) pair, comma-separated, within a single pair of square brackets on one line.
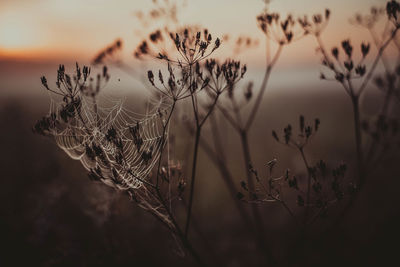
[(51, 214)]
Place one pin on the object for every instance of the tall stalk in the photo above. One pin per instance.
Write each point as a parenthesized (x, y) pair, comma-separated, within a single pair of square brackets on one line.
[(358, 139), (192, 181)]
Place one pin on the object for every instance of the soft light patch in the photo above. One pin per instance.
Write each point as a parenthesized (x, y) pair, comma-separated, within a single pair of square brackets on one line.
[(15, 33)]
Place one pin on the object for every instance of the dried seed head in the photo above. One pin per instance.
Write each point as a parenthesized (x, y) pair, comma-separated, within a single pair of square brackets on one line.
[(308, 131), (316, 124), (44, 82), (217, 44), (160, 77), (349, 65), (209, 38), (108, 51), (347, 47), (281, 31), (360, 70), (339, 77), (335, 52), (317, 24), (301, 123), (275, 136), (317, 19), (327, 14), (249, 91), (86, 72), (365, 49), (150, 76), (392, 9), (287, 133), (156, 36)]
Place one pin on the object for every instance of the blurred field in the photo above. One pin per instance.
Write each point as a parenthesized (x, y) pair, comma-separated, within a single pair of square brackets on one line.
[(52, 215)]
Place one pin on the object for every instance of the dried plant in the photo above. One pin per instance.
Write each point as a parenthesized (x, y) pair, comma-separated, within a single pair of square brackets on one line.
[(130, 152), (322, 188)]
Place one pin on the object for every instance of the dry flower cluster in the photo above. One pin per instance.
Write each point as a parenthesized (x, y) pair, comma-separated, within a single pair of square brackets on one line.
[(129, 152)]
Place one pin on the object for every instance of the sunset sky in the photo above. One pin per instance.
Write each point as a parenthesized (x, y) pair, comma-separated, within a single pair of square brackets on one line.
[(75, 28), (67, 31)]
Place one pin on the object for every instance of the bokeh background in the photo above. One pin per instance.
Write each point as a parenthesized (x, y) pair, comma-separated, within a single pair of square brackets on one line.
[(51, 214)]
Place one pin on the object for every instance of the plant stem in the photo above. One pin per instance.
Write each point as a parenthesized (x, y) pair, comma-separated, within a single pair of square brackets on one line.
[(369, 156), (247, 160), (308, 185), (360, 171), (258, 221), (163, 141), (193, 177), (199, 125), (358, 139), (263, 88), (228, 179), (186, 243), (96, 112), (377, 58)]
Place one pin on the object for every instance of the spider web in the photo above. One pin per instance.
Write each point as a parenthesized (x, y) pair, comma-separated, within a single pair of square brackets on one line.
[(140, 139)]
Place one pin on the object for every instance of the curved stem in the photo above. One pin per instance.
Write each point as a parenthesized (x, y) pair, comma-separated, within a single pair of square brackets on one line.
[(263, 88), (375, 63)]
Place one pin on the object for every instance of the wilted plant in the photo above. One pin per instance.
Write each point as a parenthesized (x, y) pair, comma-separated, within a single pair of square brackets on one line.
[(345, 71), (129, 153), (322, 188)]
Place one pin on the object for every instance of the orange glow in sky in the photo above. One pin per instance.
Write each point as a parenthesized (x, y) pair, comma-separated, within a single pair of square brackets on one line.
[(37, 35), (76, 29)]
